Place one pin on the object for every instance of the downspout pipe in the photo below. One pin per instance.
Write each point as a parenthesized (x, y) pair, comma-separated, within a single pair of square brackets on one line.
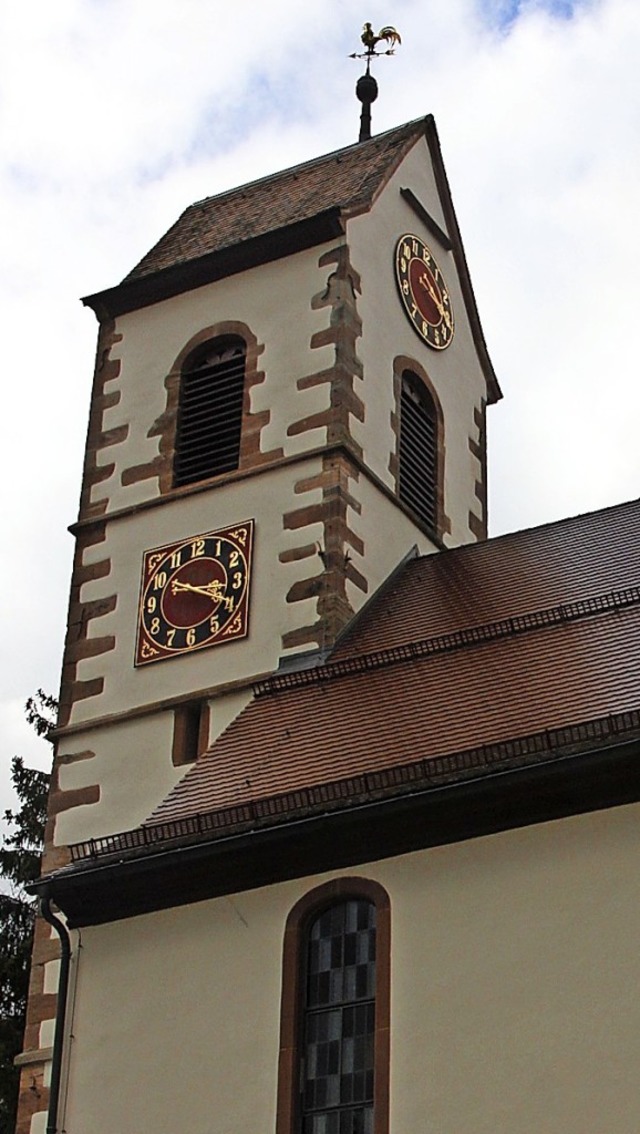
[(61, 1009)]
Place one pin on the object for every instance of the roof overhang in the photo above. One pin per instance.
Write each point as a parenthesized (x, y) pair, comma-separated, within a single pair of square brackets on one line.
[(143, 291), (101, 890)]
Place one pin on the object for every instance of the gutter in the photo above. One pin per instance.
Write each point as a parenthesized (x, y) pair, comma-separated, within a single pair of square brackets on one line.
[(171, 873), (61, 1009)]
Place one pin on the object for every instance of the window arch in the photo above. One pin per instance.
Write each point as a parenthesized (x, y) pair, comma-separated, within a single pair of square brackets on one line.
[(210, 405), (334, 1042), (418, 472)]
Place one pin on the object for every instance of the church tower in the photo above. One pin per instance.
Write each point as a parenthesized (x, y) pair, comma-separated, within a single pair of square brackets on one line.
[(289, 399), (290, 395)]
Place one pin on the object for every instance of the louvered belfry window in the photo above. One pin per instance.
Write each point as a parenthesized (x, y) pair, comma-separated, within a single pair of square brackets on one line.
[(418, 450), (339, 1021), (210, 412)]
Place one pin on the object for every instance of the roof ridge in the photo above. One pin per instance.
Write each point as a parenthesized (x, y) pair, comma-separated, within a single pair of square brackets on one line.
[(622, 504), (543, 746), (457, 639)]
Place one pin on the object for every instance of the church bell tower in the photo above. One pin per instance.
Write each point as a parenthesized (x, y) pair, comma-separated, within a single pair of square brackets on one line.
[(289, 399), (290, 394)]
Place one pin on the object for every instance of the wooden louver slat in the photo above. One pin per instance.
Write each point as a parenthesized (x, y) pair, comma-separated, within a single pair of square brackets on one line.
[(417, 479), (210, 414)]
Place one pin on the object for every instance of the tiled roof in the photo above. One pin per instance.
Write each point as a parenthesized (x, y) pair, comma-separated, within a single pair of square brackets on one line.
[(473, 648), (524, 571), (347, 178)]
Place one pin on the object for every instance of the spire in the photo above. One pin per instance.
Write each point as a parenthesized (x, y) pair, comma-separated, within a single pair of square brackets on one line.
[(366, 87)]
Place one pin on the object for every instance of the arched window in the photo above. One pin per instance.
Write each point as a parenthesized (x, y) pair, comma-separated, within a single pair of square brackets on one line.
[(334, 1056), (339, 1020), (418, 450), (210, 411)]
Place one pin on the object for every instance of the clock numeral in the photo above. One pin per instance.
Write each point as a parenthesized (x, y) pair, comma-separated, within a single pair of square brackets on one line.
[(191, 636), (234, 559), (176, 559), (218, 548), (151, 604), (170, 636), (214, 625), (237, 580), (197, 548), (155, 626), (160, 580), (425, 327), (405, 287), (406, 252), (415, 247)]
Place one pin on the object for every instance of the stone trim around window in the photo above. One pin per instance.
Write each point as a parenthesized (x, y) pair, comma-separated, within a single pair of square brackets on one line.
[(251, 454)]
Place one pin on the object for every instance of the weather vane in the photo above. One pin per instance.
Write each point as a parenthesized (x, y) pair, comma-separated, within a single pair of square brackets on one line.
[(366, 87)]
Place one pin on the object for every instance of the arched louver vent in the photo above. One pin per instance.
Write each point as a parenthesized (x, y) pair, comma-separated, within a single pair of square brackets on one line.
[(418, 450), (210, 412)]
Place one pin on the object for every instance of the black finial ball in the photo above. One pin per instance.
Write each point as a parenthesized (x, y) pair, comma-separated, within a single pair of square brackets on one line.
[(367, 89)]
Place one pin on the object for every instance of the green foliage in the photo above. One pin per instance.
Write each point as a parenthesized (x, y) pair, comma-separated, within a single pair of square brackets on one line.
[(19, 864)]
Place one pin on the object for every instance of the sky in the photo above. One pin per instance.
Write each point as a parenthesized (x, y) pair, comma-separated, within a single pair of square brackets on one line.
[(117, 114)]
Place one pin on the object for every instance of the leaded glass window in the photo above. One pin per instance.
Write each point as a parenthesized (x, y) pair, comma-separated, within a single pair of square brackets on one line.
[(339, 1021)]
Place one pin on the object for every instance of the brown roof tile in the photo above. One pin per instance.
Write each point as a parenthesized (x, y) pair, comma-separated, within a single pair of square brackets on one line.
[(417, 710), (284, 213), (550, 671), (347, 178), (524, 571)]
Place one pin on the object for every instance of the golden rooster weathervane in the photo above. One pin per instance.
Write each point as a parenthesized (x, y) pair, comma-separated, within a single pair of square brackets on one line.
[(366, 87), (370, 39)]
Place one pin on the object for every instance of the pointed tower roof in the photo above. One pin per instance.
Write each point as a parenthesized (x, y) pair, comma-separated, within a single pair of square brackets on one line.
[(285, 213), (347, 179)]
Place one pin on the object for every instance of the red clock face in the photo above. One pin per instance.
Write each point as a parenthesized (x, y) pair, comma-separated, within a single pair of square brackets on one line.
[(423, 292), (195, 594)]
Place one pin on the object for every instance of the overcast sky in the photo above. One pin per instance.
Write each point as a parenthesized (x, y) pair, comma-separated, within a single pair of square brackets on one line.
[(116, 114)]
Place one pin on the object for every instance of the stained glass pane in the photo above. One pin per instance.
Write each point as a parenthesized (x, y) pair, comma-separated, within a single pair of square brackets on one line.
[(337, 1088)]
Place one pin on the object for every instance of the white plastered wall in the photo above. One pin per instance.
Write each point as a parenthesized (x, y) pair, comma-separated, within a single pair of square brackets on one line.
[(131, 761), (387, 333), (514, 1005), (274, 301), (379, 514)]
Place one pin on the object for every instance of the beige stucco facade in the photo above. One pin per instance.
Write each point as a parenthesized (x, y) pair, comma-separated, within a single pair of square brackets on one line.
[(514, 1005)]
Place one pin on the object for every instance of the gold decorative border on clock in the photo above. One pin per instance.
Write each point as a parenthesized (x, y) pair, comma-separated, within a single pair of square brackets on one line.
[(194, 593)]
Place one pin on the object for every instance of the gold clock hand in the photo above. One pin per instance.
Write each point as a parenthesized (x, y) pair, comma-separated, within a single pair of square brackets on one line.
[(442, 311), (210, 590)]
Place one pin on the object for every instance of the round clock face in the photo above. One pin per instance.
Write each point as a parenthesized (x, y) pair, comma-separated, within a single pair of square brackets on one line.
[(423, 292), (194, 594)]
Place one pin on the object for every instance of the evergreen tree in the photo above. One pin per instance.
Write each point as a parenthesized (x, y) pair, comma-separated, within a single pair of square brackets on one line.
[(20, 864)]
